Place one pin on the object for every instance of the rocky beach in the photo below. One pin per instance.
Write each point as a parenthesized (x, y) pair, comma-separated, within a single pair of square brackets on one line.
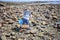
[(45, 17)]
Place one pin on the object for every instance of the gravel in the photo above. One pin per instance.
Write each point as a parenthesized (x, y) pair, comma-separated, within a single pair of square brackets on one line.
[(44, 18)]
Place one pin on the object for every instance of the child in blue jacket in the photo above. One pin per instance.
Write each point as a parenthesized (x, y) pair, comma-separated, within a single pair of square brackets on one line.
[(24, 22)]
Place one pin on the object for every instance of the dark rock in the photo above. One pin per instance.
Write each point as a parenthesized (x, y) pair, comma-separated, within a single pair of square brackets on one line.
[(0, 38), (1, 5), (7, 35), (50, 8), (10, 23), (16, 29), (33, 23), (12, 34), (58, 25), (47, 17)]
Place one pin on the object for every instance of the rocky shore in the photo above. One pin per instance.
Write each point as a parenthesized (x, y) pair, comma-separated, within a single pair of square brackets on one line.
[(45, 17)]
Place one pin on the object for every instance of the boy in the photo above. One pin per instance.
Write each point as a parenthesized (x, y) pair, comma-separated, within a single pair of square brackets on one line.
[(24, 22)]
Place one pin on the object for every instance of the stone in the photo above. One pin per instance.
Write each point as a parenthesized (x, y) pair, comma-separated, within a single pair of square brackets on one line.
[(13, 37), (12, 34), (1, 11), (5, 13), (0, 25), (0, 38), (33, 31), (41, 34), (47, 17), (27, 32), (14, 19), (19, 39), (33, 23), (55, 16), (3, 38), (44, 22), (1, 5), (58, 25), (18, 25), (7, 35)]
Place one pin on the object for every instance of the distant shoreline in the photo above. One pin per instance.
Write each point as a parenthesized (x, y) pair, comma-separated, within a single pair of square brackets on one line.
[(33, 2)]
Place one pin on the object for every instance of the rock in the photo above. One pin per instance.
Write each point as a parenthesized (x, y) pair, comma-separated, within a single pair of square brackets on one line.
[(3, 38), (20, 39), (0, 38), (1, 5), (33, 23), (47, 17), (46, 33), (16, 29), (1, 11), (25, 26), (33, 31), (0, 25), (7, 35), (5, 13), (58, 25), (50, 8), (15, 19), (41, 34), (17, 25), (27, 32), (13, 37), (52, 14), (44, 23), (55, 16), (12, 34)]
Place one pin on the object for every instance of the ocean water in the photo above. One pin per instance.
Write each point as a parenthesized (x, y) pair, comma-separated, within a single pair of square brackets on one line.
[(43, 2)]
